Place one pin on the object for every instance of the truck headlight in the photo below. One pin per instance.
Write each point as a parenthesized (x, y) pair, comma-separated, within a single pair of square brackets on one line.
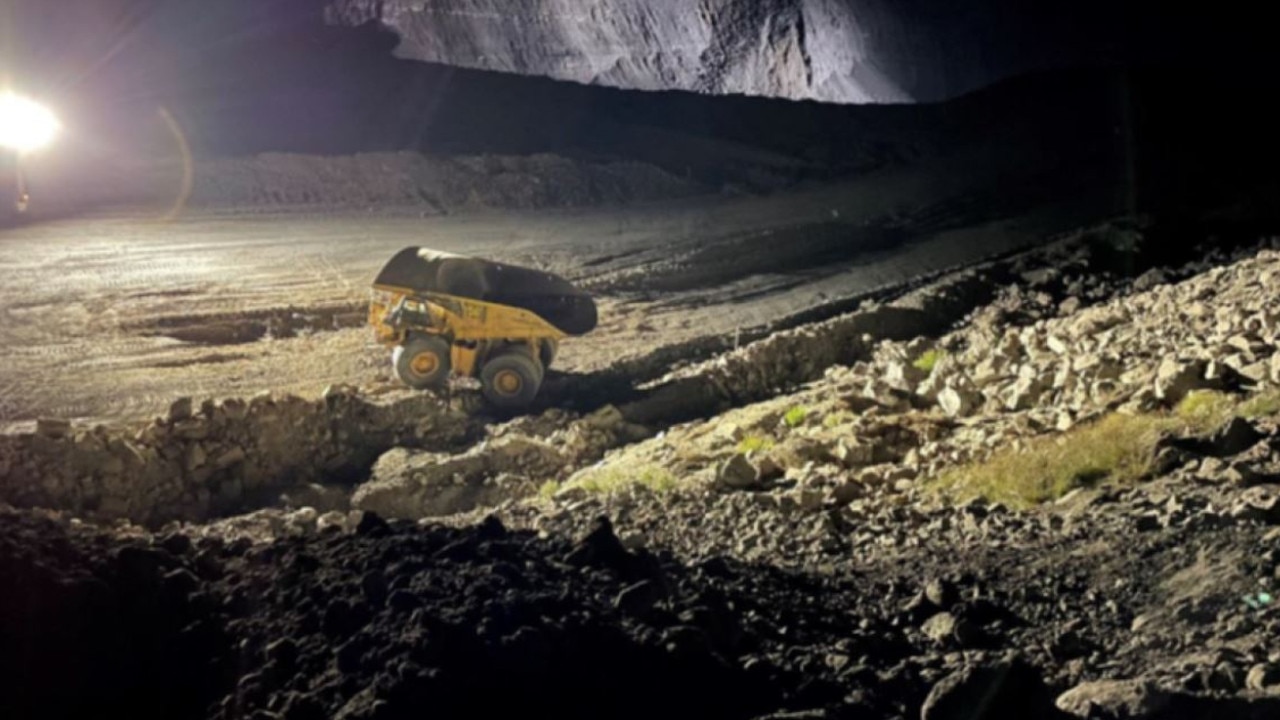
[(25, 125)]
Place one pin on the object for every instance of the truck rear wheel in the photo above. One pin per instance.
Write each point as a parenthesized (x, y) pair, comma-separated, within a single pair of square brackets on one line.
[(511, 380), (423, 362), (547, 352)]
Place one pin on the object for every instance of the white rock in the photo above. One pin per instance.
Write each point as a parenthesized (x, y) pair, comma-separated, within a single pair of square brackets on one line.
[(1113, 698), (851, 453), (331, 519), (1175, 378), (737, 472), (1256, 372), (954, 402), (1022, 394)]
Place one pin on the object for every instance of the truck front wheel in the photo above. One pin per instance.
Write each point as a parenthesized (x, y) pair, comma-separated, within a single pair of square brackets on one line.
[(423, 362)]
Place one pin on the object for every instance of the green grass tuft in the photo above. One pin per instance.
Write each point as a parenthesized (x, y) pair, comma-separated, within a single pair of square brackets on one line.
[(795, 417), (1264, 405), (754, 443), (1202, 411), (1117, 449), (838, 418), (609, 480), (926, 362)]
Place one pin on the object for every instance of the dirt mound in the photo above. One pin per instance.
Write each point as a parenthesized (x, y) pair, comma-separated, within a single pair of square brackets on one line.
[(391, 619), (96, 626), (480, 622), (435, 184), (333, 183)]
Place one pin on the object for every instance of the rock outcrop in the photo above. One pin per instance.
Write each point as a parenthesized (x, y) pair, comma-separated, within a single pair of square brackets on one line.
[(846, 51)]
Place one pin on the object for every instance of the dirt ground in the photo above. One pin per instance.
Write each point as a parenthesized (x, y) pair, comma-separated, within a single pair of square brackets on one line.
[(110, 317)]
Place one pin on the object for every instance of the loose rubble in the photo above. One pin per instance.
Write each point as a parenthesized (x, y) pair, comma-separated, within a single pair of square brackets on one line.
[(195, 464)]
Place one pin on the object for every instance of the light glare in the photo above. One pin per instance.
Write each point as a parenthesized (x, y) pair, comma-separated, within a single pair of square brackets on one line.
[(25, 125)]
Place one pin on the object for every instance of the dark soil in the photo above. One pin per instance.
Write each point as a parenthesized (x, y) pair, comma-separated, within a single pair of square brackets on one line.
[(392, 620)]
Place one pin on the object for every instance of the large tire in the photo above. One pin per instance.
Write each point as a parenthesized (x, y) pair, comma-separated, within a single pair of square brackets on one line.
[(511, 380), (423, 362), (547, 352)]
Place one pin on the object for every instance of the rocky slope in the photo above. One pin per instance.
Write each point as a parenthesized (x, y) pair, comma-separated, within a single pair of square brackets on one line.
[(848, 51), (790, 478)]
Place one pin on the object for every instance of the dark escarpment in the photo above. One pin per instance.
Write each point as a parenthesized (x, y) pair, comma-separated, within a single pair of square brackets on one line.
[(844, 51)]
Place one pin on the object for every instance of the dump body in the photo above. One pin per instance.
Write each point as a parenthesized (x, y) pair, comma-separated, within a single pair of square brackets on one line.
[(419, 271)]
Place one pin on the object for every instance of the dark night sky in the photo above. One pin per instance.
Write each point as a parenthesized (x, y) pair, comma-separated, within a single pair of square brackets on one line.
[(252, 75)]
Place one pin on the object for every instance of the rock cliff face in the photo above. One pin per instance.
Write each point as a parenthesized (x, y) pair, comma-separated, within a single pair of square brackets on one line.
[(849, 51)]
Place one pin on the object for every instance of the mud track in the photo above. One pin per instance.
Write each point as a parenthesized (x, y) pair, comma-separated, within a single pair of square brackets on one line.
[(238, 328)]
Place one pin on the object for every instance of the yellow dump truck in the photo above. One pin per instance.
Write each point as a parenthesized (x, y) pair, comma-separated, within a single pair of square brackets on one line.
[(450, 315)]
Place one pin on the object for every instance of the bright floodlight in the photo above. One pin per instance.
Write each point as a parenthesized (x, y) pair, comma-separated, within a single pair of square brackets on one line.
[(25, 125)]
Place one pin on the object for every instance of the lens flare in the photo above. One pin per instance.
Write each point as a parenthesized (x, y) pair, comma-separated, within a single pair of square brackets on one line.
[(25, 125)]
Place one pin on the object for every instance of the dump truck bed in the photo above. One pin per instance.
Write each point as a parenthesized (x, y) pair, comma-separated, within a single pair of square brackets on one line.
[(421, 271)]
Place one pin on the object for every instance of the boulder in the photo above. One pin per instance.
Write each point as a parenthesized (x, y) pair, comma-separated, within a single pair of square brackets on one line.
[(1263, 676), (1235, 437), (941, 593), (324, 498), (1011, 689), (53, 428), (229, 457), (1260, 503), (194, 457), (180, 409), (1175, 378), (955, 403), (1117, 699), (852, 454), (947, 629), (736, 473), (902, 375), (1022, 394)]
